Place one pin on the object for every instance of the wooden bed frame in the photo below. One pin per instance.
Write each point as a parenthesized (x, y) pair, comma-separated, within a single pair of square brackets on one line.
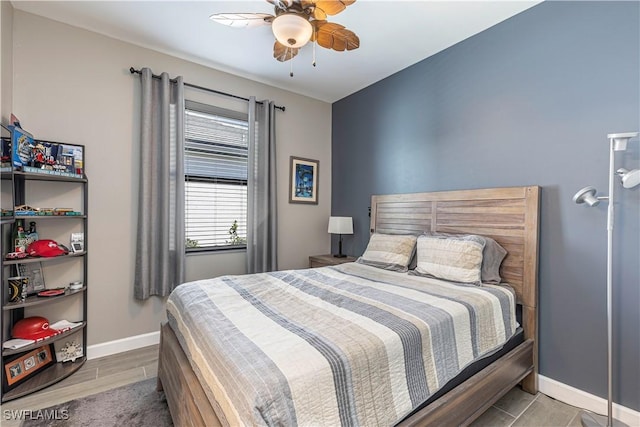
[(508, 215)]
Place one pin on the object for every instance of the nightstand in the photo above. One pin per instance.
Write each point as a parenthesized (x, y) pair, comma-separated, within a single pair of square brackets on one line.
[(325, 260)]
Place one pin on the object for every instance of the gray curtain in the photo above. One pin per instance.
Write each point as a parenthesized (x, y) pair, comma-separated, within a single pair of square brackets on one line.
[(261, 216), (160, 232)]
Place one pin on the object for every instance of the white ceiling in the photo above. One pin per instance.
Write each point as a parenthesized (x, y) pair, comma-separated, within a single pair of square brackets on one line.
[(393, 35)]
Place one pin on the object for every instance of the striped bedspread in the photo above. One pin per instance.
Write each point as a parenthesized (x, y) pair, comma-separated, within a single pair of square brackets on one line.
[(343, 345)]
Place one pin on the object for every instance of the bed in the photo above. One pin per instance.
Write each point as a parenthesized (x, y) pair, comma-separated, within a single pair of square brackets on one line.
[(508, 215)]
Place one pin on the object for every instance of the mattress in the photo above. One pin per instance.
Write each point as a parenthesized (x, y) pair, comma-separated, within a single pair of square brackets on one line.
[(342, 345)]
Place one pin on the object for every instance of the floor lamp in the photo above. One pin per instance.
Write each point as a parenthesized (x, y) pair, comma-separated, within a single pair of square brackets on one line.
[(587, 195)]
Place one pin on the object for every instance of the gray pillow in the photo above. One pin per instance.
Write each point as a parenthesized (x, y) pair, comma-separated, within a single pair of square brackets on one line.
[(492, 256)]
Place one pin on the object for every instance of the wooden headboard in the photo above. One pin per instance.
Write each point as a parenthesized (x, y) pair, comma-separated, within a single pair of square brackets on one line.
[(508, 215)]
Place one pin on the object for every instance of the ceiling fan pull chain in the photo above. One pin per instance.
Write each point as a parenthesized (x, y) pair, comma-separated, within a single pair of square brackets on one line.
[(291, 65), (314, 54)]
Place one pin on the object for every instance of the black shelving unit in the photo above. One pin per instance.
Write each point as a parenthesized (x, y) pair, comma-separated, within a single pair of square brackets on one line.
[(13, 311), (6, 182)]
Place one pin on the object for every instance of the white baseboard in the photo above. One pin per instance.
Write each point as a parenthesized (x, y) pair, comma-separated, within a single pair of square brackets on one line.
[(582, 399), (124, 344)]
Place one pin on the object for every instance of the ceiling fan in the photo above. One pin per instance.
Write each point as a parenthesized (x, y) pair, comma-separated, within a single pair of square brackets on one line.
[(297, 22)]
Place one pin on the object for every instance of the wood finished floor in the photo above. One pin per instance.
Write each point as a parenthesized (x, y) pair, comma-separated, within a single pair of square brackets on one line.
[(94, 376), (517, 408)]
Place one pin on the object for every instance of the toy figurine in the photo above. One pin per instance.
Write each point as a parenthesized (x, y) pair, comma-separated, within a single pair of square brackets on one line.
[(38, 157), (32, 235), (20, 237)]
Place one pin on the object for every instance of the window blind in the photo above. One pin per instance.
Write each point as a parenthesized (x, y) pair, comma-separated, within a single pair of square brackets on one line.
[(216, 155)]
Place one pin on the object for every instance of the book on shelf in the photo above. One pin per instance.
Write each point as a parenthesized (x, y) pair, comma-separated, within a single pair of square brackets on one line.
[(64, 325), (16, 343)]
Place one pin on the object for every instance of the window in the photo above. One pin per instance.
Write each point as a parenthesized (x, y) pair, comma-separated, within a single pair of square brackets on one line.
[(215, 156)]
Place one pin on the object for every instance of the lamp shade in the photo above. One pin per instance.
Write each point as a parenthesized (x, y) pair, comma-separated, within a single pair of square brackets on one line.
[(629, 178), (340, 225), (292, 30), (586, 195), (620, 140)]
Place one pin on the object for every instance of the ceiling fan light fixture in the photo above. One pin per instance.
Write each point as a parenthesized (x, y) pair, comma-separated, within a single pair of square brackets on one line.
[(292, 30)]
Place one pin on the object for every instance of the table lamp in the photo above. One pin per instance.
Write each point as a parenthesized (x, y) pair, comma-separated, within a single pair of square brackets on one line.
[(340, 225)]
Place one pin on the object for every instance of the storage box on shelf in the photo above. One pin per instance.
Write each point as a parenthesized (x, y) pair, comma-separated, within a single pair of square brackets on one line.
[(36, 189)]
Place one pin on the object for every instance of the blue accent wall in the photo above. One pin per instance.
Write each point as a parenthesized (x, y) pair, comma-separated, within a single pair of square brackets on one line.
[(529, 101)]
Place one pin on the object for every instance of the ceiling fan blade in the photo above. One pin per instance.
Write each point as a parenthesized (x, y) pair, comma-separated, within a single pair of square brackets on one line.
[(335, 36), (282, 4), (319, 14), (242, 20), (333, 7), (309, 7), (283, 53), (305, 4)]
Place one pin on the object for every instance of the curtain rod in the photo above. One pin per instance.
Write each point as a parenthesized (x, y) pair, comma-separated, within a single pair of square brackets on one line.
[(206, 89)]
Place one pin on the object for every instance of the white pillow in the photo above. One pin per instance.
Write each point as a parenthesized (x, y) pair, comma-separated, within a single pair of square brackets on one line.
[(454, 259), (389, 251), (492, 256)]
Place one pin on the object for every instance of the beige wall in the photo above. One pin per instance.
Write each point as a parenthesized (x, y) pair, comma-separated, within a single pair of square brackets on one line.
[(6, 60), (74, 85)]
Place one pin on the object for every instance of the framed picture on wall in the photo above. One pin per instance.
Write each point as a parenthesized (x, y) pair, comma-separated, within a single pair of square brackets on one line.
[(303, 181)]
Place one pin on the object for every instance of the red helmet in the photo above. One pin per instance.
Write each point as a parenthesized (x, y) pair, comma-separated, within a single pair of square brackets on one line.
[(45, 248), (32, 328)]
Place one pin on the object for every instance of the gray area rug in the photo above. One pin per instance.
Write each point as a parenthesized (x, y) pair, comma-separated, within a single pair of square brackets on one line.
[(137, 404)]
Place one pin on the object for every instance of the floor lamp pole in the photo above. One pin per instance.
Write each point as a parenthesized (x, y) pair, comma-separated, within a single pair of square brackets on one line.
[(587, 196), (610, 221), (589, 419)]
